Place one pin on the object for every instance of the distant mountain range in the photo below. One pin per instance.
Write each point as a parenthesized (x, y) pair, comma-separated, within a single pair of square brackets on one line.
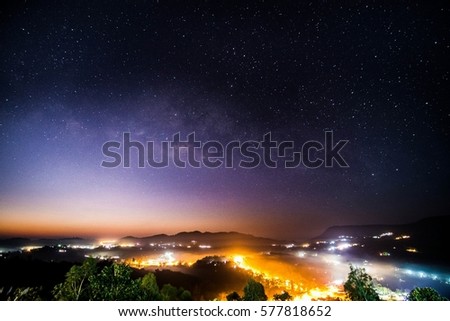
[(432, 228), (429, 235), (427, 240), (226, 239), (222, 238)]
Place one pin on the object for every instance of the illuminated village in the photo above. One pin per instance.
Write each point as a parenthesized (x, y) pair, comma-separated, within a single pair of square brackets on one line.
[(314, 270)]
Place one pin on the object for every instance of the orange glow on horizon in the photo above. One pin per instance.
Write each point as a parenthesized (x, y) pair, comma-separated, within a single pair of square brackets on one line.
[(51, 225), (71, 218)]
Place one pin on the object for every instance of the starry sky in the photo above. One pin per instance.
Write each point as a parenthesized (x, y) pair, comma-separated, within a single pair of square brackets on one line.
[(76, 74)]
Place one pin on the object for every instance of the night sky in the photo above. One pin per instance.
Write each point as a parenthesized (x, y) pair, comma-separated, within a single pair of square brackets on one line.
[(76, 74)]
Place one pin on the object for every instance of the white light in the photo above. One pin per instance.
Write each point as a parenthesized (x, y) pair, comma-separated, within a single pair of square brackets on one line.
[(239, 260)]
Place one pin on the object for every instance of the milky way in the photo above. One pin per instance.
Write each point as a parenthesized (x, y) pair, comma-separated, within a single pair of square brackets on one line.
[(76, 75)]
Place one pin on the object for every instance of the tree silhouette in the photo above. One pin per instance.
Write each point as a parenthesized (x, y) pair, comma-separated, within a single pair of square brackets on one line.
[(184, 295), (149, 288), (26, 294), (359, 286), (171, 293), (76, 285), (285, 296), (114, 283), (425, 294), (254, 291), (234, 296)]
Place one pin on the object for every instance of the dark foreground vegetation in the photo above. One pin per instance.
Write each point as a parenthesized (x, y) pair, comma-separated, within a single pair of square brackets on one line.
[(111, 281), (25, 278)]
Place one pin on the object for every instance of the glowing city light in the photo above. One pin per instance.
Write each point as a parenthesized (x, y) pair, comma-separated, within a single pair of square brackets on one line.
[(239, 260)]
